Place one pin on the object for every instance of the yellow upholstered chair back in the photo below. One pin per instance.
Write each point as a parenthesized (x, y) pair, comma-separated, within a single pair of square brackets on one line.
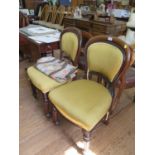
[(104, 58), (106, 55), (70, 43)]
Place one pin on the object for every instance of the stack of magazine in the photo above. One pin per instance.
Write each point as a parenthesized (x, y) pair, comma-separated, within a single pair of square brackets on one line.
[(56, 69)]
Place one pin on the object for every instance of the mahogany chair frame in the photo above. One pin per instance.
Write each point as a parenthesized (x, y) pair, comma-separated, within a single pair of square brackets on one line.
[(111, 86), (85, 37), (129, 80), (75, 62)]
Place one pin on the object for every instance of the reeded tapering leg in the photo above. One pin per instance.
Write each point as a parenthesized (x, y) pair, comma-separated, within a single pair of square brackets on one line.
[(106, 119), (86, 138), (34, 92), (55, 116), (46, 105)]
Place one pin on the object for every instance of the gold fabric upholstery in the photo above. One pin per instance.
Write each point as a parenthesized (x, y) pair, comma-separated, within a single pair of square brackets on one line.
[(83, 102), (41, 81), (104, 58), (69, 44)]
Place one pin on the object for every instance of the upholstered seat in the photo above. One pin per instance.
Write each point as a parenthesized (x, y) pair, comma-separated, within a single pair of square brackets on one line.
[(41, 81), (72, 104)]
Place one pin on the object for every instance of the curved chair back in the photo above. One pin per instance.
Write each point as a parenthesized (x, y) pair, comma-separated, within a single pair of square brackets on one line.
[(60, 15), (52, 16), (70, 42), (45, 13), (109, 58)]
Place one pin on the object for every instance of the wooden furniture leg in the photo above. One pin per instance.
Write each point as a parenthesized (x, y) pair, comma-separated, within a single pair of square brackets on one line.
[(106, 119), (86, 138), (46, 105), (34, 91), (55, 116)]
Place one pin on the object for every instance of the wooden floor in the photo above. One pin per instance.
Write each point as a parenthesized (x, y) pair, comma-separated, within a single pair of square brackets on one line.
[(39, 136)]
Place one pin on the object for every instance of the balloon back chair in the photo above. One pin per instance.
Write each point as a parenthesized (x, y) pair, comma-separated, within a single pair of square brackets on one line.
[(53, 13), (45, 13), (86, 102), (70, 42)]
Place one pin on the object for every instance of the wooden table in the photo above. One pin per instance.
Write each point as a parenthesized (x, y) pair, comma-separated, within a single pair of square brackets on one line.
[(96, 27), (34, 49)]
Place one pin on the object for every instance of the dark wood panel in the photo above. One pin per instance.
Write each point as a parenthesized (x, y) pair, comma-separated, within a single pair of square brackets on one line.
[(32, 4), (96, 27)]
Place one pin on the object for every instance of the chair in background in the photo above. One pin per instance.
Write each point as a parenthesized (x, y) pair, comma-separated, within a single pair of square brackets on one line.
[(38, 9), (70, 42), (60, 15), (57, 20), (43, 17), (52, 15), (87, 102)]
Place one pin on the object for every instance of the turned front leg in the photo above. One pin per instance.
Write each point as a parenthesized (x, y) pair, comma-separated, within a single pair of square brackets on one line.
[(86, 138), (55, 116), (46, 105)]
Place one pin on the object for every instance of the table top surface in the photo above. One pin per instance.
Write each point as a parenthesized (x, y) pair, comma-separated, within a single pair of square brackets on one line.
[(48, 35)]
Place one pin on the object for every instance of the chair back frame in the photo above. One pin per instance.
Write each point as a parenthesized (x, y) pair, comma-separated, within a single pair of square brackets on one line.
[(52, 16), (45, 13), (85, 37), (77, 32), (60, 15), (120, 76)]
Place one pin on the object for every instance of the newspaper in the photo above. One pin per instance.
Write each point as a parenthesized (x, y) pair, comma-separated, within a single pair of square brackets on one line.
[(56, 69)]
